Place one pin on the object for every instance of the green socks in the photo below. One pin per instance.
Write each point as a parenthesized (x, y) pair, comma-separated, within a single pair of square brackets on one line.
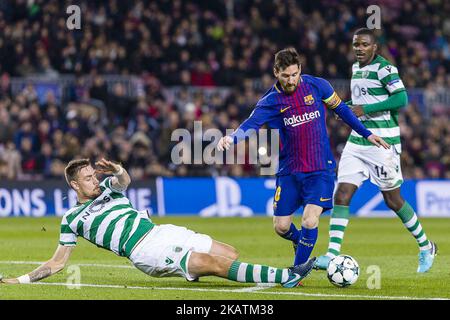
[(338, 223), (256, 273), (411, 222)]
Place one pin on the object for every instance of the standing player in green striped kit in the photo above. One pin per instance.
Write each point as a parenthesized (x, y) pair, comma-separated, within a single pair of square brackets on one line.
[(105, 217), (377, 95)]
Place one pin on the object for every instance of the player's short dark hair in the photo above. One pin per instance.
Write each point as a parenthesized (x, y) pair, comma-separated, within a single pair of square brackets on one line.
[(285, 58), (73, 167), (366, 31)]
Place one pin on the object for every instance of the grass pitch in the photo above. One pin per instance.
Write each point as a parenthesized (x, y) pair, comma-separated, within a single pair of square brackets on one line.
[(383, 243)]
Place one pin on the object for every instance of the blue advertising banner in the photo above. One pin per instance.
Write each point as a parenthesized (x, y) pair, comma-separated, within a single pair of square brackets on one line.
[(37, 199), (221, 196), (226, 197), (213, 197)]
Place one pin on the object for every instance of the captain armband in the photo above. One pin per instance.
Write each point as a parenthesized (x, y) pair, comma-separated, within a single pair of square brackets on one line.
[(333, 101)]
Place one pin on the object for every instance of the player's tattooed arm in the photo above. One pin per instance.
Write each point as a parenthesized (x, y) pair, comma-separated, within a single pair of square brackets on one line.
[(40, 273), (52, 266)]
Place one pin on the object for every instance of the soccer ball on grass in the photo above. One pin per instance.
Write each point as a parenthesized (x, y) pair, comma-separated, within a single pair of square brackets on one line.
[(343, 271)]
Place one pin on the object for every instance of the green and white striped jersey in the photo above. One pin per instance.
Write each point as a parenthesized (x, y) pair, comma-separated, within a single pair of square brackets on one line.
[(108, 221), (371, 84)]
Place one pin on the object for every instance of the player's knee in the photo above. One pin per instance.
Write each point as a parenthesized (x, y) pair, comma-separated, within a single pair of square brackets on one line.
[(310, 222), (281, 228)]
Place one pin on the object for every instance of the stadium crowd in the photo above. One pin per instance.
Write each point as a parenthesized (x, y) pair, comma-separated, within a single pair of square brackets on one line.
[(202, 44)]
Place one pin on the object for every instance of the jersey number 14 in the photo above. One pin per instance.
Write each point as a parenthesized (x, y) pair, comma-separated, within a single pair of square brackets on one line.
[(380, 171)]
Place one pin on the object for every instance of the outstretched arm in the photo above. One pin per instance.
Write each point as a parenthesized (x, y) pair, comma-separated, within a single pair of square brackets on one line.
[(333, 102), (259, 116), (52, 266), (349, 118)]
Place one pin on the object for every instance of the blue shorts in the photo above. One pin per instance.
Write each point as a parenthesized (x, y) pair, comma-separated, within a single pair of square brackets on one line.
[(299, 189)]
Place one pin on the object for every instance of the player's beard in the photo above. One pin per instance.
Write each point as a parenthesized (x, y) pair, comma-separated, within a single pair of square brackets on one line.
[(290, 88), (95, 193)]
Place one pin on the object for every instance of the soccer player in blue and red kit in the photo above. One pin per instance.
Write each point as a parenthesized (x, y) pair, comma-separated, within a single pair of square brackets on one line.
[(296, 106)]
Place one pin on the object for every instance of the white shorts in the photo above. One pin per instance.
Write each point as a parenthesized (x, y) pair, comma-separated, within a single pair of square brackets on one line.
[(166, 249), (358, 163)]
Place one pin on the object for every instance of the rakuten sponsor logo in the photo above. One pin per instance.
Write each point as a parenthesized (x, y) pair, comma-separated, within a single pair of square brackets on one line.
[(297, 120)]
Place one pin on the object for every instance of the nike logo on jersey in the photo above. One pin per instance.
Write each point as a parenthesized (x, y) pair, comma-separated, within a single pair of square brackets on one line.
[(323, 199), (297, 120), (283, 110)]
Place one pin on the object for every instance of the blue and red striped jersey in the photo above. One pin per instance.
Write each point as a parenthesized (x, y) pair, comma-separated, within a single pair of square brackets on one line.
[(300, 118)]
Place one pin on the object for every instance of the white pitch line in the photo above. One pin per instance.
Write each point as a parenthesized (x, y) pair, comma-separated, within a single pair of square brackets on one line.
[(259, 286), (290, 293), (77, 264), (256, 290)]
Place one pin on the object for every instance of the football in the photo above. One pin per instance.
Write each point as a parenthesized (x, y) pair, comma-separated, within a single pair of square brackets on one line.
[(343, 271)]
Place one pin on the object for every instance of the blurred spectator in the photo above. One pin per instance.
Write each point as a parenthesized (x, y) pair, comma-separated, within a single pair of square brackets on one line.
[(99, 90), (196, 43), (120, 107), (12, 161), (201, 44)]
